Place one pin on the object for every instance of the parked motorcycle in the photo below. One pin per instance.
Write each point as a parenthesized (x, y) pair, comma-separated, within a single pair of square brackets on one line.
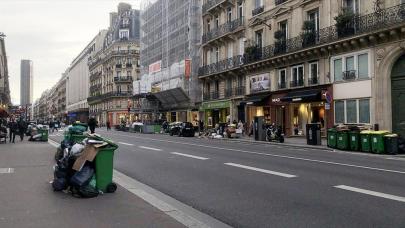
[(274, 133)]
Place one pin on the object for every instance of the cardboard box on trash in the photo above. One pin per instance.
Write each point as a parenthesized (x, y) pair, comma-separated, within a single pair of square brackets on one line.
[(88, 154)]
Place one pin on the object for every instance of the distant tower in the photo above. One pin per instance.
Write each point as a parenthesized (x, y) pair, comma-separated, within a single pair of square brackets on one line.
[(26, 84)]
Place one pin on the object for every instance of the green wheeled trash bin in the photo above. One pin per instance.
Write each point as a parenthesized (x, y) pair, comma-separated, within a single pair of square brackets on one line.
[(342, 140), (391, 143), (104, 168), (377, 141), (365, 141), (332, 137), (44, 134), (354, 140)]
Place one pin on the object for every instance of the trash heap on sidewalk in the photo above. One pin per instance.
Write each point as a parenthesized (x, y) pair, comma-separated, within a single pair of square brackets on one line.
[(359, 138), (38, 132), (84, 164)]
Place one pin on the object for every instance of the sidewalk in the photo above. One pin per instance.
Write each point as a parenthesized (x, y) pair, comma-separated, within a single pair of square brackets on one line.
[(291, 141), (27, 198)]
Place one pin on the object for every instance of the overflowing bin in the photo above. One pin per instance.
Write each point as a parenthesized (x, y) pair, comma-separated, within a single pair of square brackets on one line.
[(354, 140), (342, 140), (377, 141), (332, 137), (44, 134), (104, 167), (391, 143)]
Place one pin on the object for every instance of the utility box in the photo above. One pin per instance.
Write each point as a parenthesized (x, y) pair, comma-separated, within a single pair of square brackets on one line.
[(313, 134), (258, 130)]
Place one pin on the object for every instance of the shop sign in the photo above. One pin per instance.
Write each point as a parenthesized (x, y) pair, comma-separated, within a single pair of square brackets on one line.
[(328, 96), (259, 82), (276, 100), (297, 99), (216, 105), (327, 106), (155, 67)]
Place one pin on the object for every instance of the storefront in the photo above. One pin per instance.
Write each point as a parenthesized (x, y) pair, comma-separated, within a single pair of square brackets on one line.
[(216, 112), (257, 105), (300, 107), (117, 118)]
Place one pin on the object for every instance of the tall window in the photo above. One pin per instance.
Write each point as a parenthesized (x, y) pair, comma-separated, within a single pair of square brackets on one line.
[(339, 111), (282, 78), (208, 25), (337, 66), (352, 5), (362, 63), (216, 21), (129, 74), (129, 61), (229, 14), (364, 111), (313, 16), (313, 70), (283, 26), (258, 3), (351, 111), (297, 74), (217, 54), (216, 86), (259, 38), (240, 9), (124, 34), (119, 74), (230, 50)]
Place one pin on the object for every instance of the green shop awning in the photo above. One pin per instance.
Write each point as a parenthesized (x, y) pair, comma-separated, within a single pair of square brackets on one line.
[(215, 105)]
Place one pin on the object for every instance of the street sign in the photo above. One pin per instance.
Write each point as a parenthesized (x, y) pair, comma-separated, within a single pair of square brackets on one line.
[(327, 106)]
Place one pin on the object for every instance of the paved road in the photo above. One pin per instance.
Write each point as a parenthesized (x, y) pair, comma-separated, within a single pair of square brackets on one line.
[(248, 185)]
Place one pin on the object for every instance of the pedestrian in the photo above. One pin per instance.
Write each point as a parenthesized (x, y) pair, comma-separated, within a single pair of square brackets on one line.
[(92, 124), (21, 128), (108, 125), (13, 129), (251, 129), (240, 127)]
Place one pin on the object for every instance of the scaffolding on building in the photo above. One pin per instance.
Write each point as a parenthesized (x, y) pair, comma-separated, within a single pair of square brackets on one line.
[(170, 45)]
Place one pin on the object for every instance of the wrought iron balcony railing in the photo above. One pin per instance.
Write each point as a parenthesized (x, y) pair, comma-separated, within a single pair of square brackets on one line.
[(211, 96), (223, 30), (210, 4), (278, 2), (313, 81), (296, 83), (349, 75), (118, 65), (104, 96), (123, 79), (224, 65), (282, 85), (363, 24), (258, 10)]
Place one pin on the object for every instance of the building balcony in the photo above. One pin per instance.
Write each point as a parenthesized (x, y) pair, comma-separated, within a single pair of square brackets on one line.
[(296, 83), (349, 75), (124, 26), (211, 96), (95, 88), (313, 81), (257, 11), (95, 76), (369, 29), (105, 96), (278, 2), (223, 30), (210, 4), (124, 79), (128, 65), (282, 85), (118, 66), (221, 66)]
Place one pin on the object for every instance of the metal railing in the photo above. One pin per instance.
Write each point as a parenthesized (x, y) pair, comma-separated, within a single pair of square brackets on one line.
[(258, 10), (118, 66), (108, 95), (223, 29), (211, 96), (278, 2), (363, 24), (210, 4), (224, 65), (282, 85), (313, 81), (123, 79), (349, 75), (296, 83)]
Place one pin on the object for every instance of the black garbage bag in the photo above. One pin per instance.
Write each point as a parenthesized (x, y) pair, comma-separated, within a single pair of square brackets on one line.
[(59, 184), (86, 191), (82, 177)]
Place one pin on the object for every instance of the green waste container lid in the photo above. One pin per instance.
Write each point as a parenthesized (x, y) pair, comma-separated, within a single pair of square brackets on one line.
[(366, 132), (110, 142), (379, 132), (391, 135)]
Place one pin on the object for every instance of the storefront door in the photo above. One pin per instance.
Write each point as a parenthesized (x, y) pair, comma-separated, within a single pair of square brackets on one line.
[(398, 96)]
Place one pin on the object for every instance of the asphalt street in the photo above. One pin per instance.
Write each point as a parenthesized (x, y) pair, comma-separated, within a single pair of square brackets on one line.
[(256, 185)]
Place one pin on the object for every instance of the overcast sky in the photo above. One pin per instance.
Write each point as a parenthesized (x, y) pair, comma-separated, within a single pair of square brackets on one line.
[(51, 33)]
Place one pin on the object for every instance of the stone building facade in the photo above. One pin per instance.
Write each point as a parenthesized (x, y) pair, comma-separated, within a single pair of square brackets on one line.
[(114, 68), (5, 100), (307, 61)]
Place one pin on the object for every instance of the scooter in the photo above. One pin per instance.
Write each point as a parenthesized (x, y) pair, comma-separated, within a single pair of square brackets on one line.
[(274, 133)]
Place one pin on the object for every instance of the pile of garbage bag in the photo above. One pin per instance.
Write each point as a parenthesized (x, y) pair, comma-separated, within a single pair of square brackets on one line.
[(75, 169), (37, 132)]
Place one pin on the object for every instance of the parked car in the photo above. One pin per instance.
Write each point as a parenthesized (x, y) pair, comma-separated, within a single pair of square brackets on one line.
[(183, 129), (174, 128)]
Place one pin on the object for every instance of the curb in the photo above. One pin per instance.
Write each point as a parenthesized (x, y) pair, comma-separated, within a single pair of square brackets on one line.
[(279, 144)]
